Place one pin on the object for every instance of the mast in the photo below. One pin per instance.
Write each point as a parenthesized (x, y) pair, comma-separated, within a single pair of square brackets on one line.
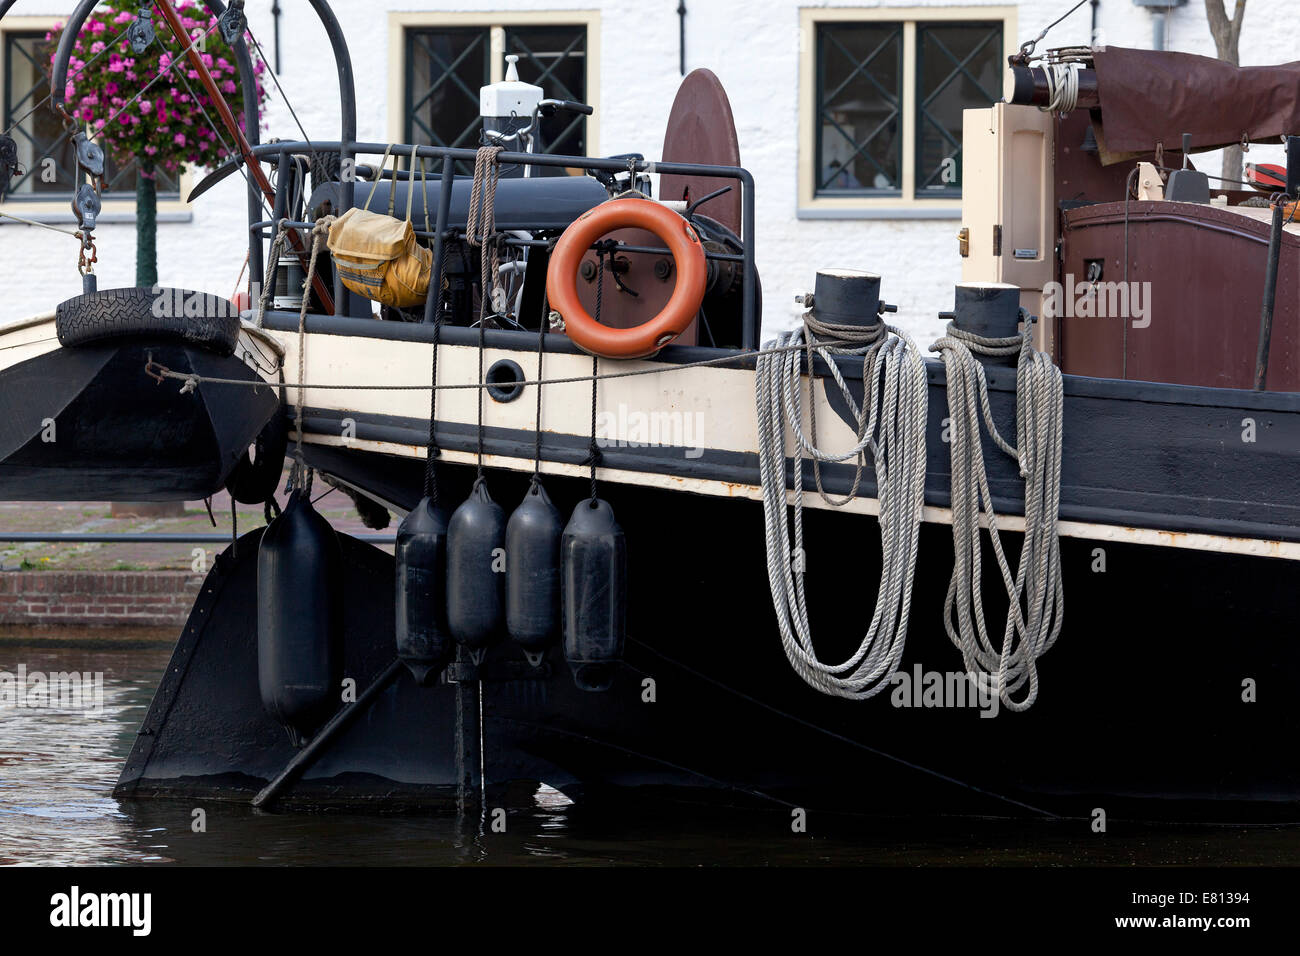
[(246, 151)]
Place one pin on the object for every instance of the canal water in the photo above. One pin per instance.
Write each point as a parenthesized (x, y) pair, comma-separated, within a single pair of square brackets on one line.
[(58, 767)]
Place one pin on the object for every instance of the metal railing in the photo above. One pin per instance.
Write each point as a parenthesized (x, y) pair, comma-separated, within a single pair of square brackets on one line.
[(142, 537), (261, 230)]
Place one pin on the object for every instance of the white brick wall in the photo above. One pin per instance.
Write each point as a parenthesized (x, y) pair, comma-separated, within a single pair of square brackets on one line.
[(753, 46)]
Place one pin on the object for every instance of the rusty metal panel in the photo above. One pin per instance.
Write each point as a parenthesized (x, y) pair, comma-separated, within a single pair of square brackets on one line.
[(701, 129), (1202, 275)]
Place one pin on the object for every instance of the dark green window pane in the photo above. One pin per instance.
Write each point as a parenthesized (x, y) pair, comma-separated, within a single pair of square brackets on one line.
[(555, 58), (859, 130), (958, 67), (446, 67), (444, 70)]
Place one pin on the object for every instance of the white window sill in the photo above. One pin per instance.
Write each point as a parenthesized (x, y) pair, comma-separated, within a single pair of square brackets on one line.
[(879, 212)]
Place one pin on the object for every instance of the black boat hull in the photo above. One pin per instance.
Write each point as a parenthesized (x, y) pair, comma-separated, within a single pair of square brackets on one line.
[(1168, 694), (89, 423)]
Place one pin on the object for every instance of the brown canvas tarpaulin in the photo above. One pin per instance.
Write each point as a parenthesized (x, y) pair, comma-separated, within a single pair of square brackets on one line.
[(1149, 97)]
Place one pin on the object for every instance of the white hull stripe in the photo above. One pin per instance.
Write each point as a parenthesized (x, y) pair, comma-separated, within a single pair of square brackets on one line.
[(1151, 537)]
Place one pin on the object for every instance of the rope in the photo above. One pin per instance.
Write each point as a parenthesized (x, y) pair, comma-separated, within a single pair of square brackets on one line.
[(1062, 87), (43, 225), (319, 233), (541, 346), (242, 269), (432, 451), (891, 423), (482, 351), (480, 229), (285, 97), (593, 448), (273, 263), (1037, 586), (181, 57), (159, 371), (1027, 48), (842, 333), (379, 175), (480, 232)]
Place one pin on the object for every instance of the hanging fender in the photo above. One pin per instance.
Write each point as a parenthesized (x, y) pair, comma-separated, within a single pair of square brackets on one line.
[(688, 294)]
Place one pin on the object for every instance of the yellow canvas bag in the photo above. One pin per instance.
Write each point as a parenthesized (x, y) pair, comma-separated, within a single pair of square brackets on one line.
[(376, 255)]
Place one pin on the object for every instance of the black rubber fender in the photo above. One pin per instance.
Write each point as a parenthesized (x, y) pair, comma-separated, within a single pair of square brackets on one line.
[(255, 477), (161, 314)]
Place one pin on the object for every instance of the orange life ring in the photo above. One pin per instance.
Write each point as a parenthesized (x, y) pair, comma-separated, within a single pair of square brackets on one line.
[(649, 337)]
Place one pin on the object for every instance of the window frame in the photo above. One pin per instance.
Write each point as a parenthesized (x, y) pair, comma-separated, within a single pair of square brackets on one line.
[(53, 208), (904, 205), (495, 21)]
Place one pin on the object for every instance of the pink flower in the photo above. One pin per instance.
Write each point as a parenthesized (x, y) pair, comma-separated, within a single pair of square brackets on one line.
[(151, 150), (179, 139), (145, 106), (97, 27)]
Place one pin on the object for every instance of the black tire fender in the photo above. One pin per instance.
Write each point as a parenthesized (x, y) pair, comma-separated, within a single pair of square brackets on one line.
[(255, 477), (160, 314)]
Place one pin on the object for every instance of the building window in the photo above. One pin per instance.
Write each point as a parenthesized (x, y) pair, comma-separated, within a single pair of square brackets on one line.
[(859, 108), (446, 65), (882, 96), (958, 67), (45, 153)]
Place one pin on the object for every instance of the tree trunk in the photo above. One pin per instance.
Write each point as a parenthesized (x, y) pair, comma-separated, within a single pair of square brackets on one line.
[(1227, 35), (146, 228)]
